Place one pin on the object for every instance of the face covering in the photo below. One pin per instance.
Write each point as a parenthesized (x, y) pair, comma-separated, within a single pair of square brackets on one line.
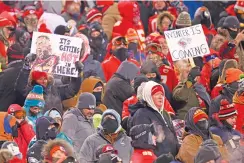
[(121, 54), (227, 125), (233, 34), (110, 125), (132, 47), (15, 131), (52, 133), (97, 41), (202, 125), (98, 96)]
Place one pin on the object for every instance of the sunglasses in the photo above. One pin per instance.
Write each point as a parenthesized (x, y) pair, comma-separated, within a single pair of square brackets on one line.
[(120, 41), (154, 48)]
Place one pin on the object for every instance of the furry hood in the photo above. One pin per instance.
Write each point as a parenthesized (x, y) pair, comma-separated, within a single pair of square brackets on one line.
[(57, 142), (161, 16), (230, 63), (5, 156)]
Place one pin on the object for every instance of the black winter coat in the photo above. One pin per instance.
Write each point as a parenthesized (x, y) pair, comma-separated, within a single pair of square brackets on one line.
[(118, 89), (53, 95), (7, 82), (34, 153), (147, 115)]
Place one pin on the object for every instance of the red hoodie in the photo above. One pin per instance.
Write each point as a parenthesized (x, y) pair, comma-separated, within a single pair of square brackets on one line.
[(122, 26)]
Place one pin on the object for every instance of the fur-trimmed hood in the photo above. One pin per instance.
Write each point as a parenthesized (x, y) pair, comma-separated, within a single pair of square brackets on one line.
[(57, 142), (5, 156), (161, 16)]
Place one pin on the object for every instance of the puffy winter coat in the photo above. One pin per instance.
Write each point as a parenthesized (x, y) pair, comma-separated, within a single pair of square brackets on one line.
[(143, 155), (110, 17), (188, 95), (170, 143), (190, 147), (25, 134), (53, 95), (77, 127)]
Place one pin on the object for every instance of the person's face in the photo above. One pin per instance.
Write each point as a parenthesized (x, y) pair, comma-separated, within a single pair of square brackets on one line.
[(154, 139), (151, 75), (159, 5), (42, 81), (211, 161), (158, 99), (164, 45), (98, 89), (35, 110), (43, 47), (59, 154), (154, 57), (88, 113), (120, 43), (231, 120), (31, 22), (7, 31), (165, 23), (95, 34), (74, 8)]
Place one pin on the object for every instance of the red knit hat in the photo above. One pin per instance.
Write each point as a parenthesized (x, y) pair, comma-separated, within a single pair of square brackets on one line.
[(35, 75), (157, 88), (232, 75), (10, 17), (5, 22), (227, 110), (43, 28), (199, 114), (239, 5), (29, 12), (92, 14)]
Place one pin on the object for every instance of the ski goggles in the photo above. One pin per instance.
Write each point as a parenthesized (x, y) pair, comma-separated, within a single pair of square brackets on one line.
[(120, 41), (153, 48)]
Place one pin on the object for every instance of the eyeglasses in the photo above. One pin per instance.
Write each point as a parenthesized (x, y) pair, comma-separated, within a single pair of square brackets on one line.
[(120, 41), (154, 48)]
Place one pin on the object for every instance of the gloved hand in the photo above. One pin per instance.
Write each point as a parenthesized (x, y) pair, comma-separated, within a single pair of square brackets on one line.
[(28, 59), (194, 72), (79, 66), (205, 15)]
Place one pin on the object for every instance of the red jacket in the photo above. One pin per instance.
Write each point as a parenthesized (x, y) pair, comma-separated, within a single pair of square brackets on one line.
[(230, 10), (25, 134), (122, 26), (143, 155), (152, 24), (225, 52), (168, 76), (216, 90), (133, 100), (240, 118), (111, 65)]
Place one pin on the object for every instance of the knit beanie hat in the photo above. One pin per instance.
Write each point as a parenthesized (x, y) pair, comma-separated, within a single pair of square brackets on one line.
[(92, 14), (227, 110), (208, 151), (239, 5), (87, 100), (184, 19), (231, 22), (199, 114), (53, 113), (35, 97), (35, 75), (233, 75), (61, 30)]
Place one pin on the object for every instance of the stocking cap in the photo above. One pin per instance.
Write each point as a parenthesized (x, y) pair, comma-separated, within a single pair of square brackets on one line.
[(233, 75), (115, 36), (5, 22), (92, 14), (239, 5), (184, 19), (156, 89), (35, 97), (9, 17), (43, 28), (35, 75), (199, 114), (28, 10), (227, 110)]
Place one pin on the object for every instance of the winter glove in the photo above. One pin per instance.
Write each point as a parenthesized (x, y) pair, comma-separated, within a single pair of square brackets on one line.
[(195, 71), (79, 66), (28, 59)]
